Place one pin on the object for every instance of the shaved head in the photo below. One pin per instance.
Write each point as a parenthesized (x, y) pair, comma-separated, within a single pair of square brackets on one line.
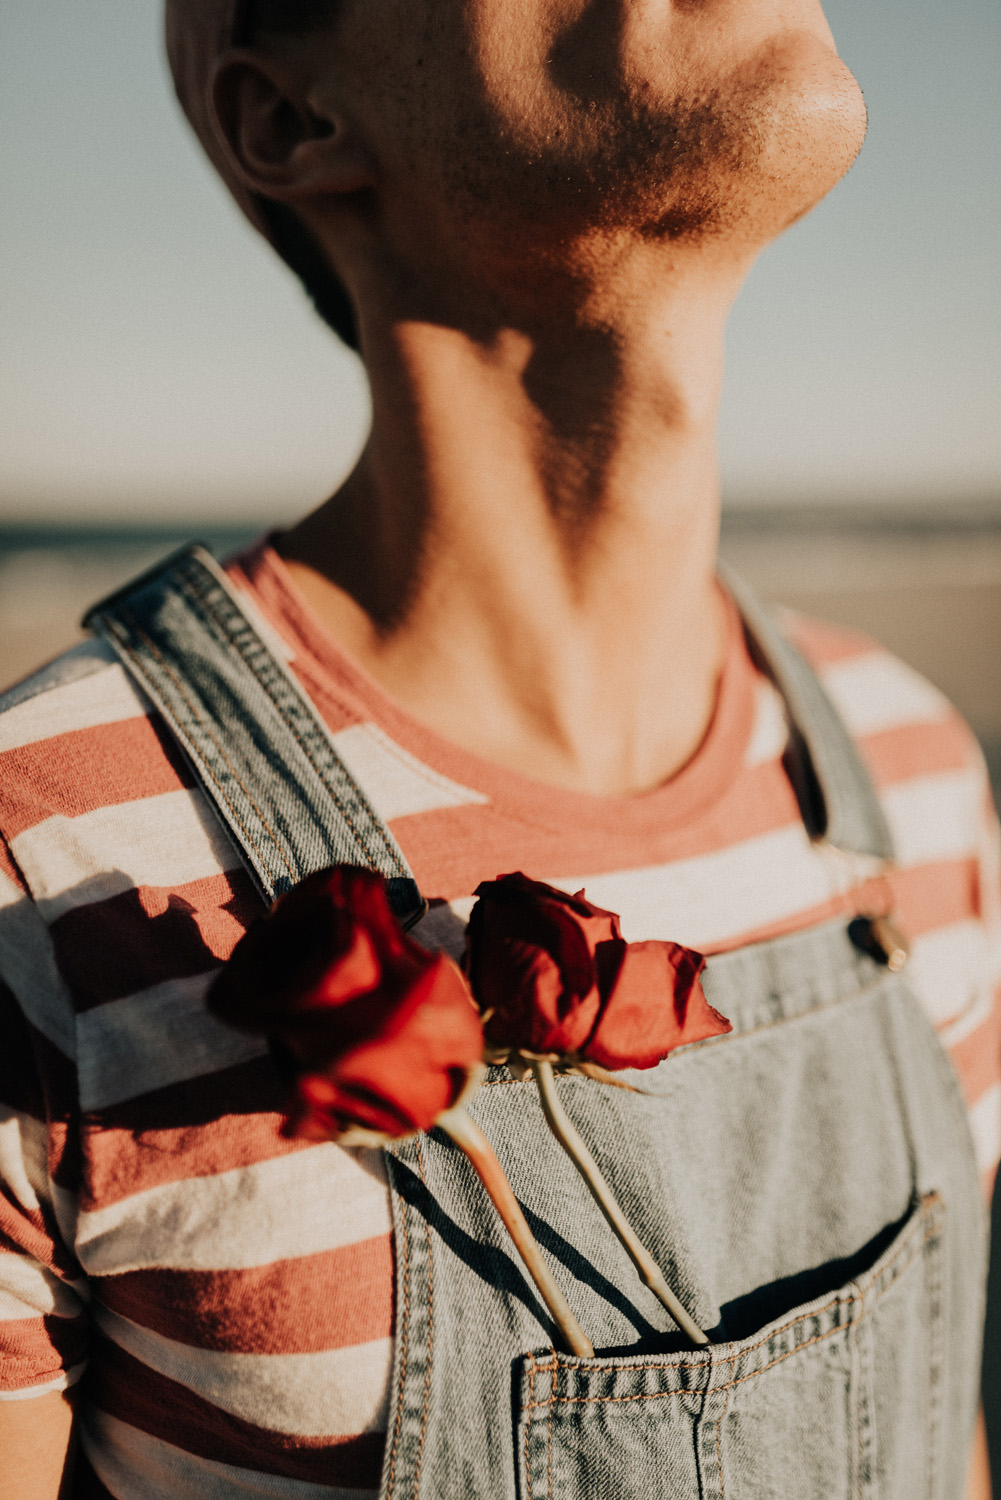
[(506, 137)]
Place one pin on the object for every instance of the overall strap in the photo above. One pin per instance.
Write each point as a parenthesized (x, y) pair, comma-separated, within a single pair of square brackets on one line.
[(261, 753), (270, 767), (836, 794)]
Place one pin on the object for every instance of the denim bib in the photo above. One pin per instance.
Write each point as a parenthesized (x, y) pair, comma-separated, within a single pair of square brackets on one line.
[(807, 1184)]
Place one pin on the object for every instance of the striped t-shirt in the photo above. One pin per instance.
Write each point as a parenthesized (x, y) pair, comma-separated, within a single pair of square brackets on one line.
[(230, 1293)]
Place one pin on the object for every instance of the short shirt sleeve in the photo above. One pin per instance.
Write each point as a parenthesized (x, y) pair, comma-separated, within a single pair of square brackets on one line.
[(43, 1322)]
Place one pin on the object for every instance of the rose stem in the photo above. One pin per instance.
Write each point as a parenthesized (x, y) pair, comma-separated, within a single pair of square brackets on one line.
[(602, 1075), (564, 1131), (468, 1136)]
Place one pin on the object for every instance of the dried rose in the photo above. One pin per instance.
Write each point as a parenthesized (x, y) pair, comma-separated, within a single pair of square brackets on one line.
[(379, 1037), (554, 977), (378, 1034)]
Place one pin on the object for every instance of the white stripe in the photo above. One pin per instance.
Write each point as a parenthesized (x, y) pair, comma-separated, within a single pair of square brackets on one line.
[(158, 841), (937, 817), (82, 660), (28, 966), (704, 901), (28, 1290), (395, 782), (10, 892), (102, 697), (985, 1122), (147, 1041), (333, 1393), (770, 734), (290, 1206), (876, 691), (60, 1382), (24, 1145), (948, 969), (135, 1466)]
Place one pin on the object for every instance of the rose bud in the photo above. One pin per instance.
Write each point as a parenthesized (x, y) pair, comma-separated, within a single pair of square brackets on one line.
[(556, 982), (376, 1034), (554, 977)]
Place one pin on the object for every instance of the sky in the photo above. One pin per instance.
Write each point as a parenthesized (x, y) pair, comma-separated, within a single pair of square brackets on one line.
[(157, 362)]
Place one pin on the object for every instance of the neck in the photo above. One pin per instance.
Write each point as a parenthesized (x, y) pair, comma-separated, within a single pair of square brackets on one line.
[(524, 556)]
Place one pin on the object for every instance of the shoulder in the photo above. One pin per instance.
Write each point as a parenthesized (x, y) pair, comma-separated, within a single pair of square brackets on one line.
[(931, 778), (117, 881), (905, 727), (74, 737), (95, 797), (946, 885), (932, 781), (83, 687)]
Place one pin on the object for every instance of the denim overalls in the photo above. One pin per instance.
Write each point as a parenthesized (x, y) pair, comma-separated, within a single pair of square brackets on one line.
[(807, 1184)]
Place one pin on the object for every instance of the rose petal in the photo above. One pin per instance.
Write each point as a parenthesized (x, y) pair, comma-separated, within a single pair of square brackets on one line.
[(656, 1005), (375, 1031), (533, 963)]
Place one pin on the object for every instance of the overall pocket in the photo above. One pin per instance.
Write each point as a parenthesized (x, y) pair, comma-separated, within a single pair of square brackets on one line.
[(836, 1400)]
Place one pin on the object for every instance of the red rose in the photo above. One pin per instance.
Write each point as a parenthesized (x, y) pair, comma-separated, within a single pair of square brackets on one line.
[(378, 1033), (553, 976)]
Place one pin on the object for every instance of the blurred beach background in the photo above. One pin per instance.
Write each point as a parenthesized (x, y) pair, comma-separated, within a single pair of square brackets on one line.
[(925, 581), (162, 378)]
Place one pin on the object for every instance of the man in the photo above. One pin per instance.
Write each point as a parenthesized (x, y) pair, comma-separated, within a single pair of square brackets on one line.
[(533, 217)]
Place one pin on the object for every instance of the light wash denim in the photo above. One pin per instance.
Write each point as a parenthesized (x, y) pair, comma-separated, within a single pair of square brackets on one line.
[(807, 1184), (258, 747)]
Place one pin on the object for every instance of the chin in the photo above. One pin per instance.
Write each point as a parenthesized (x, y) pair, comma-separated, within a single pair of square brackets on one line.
[(730, 146), (808, 115), (764, 146)]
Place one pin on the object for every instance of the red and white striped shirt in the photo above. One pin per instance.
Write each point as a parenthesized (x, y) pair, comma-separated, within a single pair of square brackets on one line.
[(230, 1293)]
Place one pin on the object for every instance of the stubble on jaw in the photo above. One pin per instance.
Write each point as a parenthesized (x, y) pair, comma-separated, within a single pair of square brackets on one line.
[(744, 158)]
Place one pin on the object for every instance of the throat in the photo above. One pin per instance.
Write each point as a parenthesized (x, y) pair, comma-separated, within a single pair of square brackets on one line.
[(524, 562)]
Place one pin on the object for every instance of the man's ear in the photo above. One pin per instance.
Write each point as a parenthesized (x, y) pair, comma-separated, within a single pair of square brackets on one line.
[(282, 144)]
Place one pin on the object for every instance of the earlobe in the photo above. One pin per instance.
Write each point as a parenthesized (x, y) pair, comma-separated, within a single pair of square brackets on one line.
[(278, 144)]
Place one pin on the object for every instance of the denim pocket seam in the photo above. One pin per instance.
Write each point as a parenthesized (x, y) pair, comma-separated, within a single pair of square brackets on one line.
[(430, 1350), (913, 1243), (404, 1333), (719, 1429)]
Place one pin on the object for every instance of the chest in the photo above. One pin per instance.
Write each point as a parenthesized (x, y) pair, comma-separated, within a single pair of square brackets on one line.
[(807, 1186)]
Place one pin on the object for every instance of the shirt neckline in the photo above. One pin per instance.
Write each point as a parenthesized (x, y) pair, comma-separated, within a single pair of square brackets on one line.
[(336, 681)]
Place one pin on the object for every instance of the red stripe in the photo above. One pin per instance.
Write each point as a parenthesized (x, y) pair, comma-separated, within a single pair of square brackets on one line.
[(911, 750), (35, 1350), (252, 1089), (936, 895), (977, 1059), (208, 1125), (86, 769), (120, 1385), (450, 849), (813, 916), (150, 935), (924, 898), (824, 644), (23, 1232), (305, 1306)]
